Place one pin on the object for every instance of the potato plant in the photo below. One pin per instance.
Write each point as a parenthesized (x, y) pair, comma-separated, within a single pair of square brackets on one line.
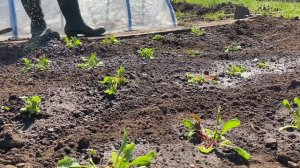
[(146, 52), (114, 82), (198, 31), (232, 48), (295, 114), (73, 42), (32, 105), (111, 40), (235, 70), (91, 62), (215, 138)]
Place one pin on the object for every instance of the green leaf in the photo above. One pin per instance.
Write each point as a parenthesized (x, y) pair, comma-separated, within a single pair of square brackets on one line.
[(226, 143), (286, 104), (67, 162), (230, 124), (144, 160), (128, 151), (242, 152), (188, 124), (219, 117), (121, 71), (205, 150), (6, 108), (297, 101)]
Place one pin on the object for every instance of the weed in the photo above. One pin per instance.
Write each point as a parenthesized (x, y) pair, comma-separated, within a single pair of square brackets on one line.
[(198, 31), (124, 157), (219, 15), (146, 52), (113, 82), (232, 48), (43, 64), (195, 78), (158, 37), (111, 40), (90, 63), (73, 42), (211, 139), (192, 52), (235, 70), (28, 65), (32, 105), (6, 108), (295, 113)]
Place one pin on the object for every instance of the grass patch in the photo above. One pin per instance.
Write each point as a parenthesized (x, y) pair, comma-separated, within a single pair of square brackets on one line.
[(219, 15)]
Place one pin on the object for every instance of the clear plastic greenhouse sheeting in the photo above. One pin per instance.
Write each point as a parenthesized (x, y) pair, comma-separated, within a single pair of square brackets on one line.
[(115, 15)]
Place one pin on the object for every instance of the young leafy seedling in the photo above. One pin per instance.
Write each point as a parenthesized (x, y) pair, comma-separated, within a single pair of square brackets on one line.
[(216, 138), (235, 70), (232, 48), (124, 157), (198, 31), (195, 128), (264, 65), (90, 63), (111, 40), (192, 52), (146, 52), (28, 65), (43, 64), (158, 37), (32, 105), (113, 82), (73, 42), (295, 114), (195, 78), (68, 162)]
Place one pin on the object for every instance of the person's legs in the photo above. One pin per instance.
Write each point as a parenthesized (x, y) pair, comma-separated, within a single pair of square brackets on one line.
[(74, 22)]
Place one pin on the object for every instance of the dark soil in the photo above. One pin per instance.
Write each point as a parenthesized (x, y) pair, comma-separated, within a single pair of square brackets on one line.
[(76, 115)]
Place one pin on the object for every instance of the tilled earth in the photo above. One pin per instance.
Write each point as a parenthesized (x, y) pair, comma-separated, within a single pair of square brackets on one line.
[(76, 115)]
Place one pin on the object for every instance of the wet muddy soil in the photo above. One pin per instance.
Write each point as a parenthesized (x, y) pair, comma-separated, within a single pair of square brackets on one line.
[(77, 116)]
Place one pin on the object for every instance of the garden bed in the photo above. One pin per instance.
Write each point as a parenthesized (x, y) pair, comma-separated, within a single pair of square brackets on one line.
[(76, 115)]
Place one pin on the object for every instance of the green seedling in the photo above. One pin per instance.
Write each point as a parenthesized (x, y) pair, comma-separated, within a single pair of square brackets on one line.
[(73, 42), (158, 37), (90, 63), (111, 40), (6, 108), (146, 52), (232, 48), (295, 114), (28, 65), (216, 138), (92, 152), (198, 31), (195, 78), (264, 65), (68, 162), (235, 70), (43, 64), (113, 82), (195, 128), (192, 52), (124, 157), (32, 105)]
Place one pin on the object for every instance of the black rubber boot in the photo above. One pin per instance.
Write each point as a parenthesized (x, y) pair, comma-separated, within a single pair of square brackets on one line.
[(40, 33), (74, 23)]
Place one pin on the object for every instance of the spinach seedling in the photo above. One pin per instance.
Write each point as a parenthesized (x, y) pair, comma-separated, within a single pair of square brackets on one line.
[(216, 138), (73, 42), (111, 40), (295, 114), (146, 52), (158, 37), (27, 65), (195, 128), (198, 31), (113, 82), (68, 162), (32, 105), (43, 64), (124, 157), (90, 63), (195, 78), (192, 52), (232, 48), (235, 70)]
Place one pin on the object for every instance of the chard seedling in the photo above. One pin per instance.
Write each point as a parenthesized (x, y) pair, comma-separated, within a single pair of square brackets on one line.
[(43, 64), (28, 65), (198, 31), (195, 78), (295, 113), (235, 70), (113, 82), (216, 138), (192, 52), (90, 63), (73, 42), (111, 40), (124, 157), (158, 37), (195, 128), (146, 52), (232, 48), (32, 105), (68, 162)]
